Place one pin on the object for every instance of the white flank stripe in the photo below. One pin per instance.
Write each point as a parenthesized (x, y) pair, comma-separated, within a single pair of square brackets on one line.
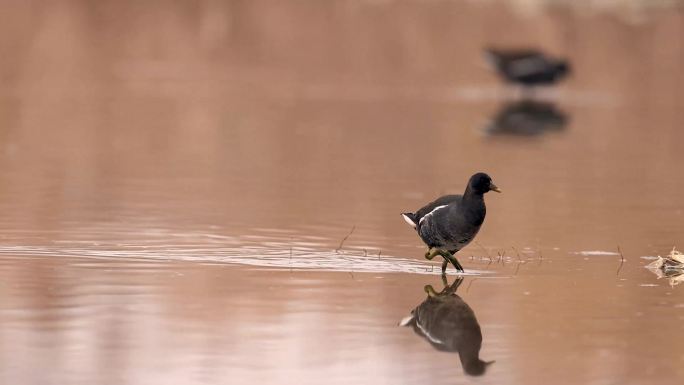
[(430, 213), (431, 338)]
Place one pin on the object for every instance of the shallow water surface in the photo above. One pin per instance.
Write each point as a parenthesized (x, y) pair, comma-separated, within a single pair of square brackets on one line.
[(189, 197)]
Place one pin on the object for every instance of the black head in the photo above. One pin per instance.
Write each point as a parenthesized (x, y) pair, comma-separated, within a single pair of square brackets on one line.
[(476, 368), (481, 183)]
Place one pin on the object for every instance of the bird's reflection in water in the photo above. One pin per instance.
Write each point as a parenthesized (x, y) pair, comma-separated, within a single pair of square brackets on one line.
[(449, 325), (527, 118)]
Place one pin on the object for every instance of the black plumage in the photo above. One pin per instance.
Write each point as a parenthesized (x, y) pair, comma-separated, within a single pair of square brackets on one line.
[(527, 118), (449, 325), (527, 67), (449, 223)]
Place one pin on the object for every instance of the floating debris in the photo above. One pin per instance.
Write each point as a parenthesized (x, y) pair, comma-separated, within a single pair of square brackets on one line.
[(670, 267), (595, 253)]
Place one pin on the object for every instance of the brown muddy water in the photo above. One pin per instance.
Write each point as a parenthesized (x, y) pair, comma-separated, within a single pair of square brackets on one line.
[(176, 179)]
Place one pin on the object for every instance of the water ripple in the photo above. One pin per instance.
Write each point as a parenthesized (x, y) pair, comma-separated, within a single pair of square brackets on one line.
[(208, 248)]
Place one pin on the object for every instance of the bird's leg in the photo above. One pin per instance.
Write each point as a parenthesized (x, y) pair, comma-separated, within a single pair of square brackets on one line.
[(444, 280), (450, 257), (451, 289), (456, 264), (447, 258), (454, 286)]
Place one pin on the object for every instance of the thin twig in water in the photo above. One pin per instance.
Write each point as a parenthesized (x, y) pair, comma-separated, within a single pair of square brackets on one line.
[(541, 257), (290, 261), (379, 252), (501, 257), (471, 282), (352, 275), (622, 262), (365, 252), (482, 247), (517, 253), (517, 267), (344, 239)]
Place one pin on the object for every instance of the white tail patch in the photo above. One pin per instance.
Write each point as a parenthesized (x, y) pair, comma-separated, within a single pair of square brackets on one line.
[(406, 320), (408, 220), (430, 213)]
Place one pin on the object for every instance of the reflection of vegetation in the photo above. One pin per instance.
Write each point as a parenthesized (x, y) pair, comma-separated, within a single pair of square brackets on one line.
[(670, 267), (449, 325)]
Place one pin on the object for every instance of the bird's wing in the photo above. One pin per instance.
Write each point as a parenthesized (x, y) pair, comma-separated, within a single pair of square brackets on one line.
[(448, 323), (502, 57), (441, 201), (523, 54), (528, 65)]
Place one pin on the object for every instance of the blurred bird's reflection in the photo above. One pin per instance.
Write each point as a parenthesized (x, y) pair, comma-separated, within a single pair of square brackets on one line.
[(527, 118), (449, 325)]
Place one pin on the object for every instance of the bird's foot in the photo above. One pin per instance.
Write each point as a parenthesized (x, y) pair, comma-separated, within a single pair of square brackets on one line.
[(430, 291), (448, 258), (431, 253)]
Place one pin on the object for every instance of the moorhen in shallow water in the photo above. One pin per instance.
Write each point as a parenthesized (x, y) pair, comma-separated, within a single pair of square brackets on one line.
[(527, 67), (449, 325), (449, 223)]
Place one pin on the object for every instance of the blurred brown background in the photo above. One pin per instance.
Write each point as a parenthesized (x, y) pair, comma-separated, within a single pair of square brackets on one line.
[(140, 137)]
